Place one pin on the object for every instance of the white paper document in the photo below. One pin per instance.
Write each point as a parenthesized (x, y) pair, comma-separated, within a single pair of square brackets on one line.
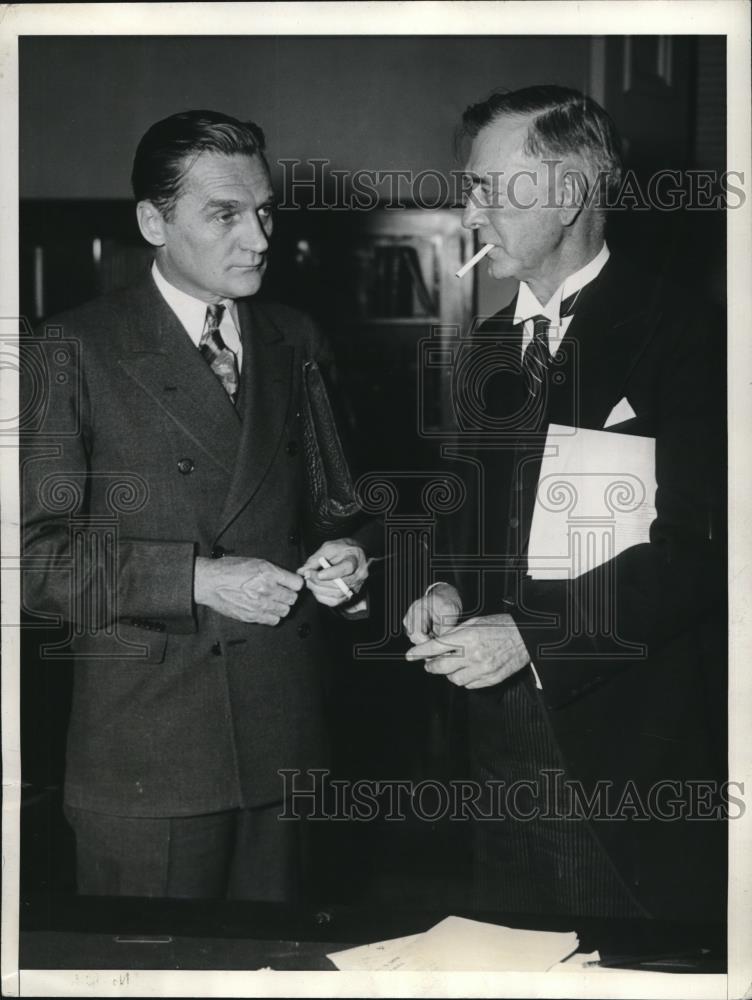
[(595, 498), (370, 957), (460, 945)]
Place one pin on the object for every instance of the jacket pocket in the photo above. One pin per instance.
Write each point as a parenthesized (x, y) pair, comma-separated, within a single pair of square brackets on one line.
[(135, 643)]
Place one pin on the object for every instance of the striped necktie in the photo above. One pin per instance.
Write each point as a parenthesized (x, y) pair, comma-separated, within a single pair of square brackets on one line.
[(217, 354), (537, 358)]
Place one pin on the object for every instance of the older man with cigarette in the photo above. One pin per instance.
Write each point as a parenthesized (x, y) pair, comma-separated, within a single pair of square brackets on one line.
[(594, 702)]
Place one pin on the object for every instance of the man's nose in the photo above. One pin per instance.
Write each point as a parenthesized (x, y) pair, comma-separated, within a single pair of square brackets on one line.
[(253, 235), (474, 214)]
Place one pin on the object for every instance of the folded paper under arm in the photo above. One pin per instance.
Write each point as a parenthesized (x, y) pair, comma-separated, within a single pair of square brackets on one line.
[(595, 498)]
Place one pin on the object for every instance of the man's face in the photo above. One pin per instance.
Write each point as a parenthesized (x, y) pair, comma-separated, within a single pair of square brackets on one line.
[(216, 241), (510, 203)]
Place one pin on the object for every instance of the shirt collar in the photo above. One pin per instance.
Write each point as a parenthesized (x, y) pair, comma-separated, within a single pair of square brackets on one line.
[(529, 306), (189, 310)]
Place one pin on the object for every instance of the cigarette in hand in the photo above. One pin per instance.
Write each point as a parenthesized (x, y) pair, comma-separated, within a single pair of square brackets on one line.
[(474, 260), (325, 564)]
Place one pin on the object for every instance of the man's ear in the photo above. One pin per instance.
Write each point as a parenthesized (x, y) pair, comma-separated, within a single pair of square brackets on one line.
[(573, 194), (151, 223)]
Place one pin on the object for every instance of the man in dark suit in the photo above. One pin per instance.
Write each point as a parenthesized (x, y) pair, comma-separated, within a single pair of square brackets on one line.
[(597, 699), (163, 495)]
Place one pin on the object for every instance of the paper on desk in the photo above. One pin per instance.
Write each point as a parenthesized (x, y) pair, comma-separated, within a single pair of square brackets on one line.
[(595, 498), (370, 957), (461, 945)]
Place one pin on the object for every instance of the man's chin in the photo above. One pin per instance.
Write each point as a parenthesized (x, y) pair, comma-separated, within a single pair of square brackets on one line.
[(246, 281), (499, 267)]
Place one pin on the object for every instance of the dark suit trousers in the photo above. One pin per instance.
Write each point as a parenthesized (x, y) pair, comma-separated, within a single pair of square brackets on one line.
[(238, 854), (538, 864)]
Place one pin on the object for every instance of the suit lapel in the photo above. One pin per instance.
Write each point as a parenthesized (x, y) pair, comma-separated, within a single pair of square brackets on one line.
[(265, 394), (487, 372), (160, 357), (607, 335), (609, 331)]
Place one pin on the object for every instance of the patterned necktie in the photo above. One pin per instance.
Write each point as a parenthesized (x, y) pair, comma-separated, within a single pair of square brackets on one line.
[(537, 359), (216, 354), (535, 373)]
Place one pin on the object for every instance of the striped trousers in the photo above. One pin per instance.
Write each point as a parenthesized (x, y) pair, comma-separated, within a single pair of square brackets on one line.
[(528, 858)]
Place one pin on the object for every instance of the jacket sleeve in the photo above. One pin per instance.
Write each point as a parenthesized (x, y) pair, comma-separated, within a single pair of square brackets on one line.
[(75, 567), (654, 591)]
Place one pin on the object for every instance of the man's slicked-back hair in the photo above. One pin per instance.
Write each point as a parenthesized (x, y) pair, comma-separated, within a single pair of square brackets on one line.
[(564, 122), (169, 148)]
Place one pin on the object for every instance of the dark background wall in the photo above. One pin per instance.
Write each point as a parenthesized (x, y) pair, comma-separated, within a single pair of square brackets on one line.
[(364, 102)]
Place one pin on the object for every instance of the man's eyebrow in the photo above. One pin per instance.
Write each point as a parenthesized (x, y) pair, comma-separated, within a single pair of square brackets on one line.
[(223, 203), (232, 204)]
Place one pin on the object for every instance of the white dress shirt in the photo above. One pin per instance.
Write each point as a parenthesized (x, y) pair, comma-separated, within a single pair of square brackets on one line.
[(528, 305), (192, 314)]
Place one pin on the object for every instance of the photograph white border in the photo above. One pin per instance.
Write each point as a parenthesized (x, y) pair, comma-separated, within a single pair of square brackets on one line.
[(591, 17)]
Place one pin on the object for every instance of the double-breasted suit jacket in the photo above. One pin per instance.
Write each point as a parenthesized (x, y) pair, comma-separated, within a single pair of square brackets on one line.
[(640, 703), (138, 464)]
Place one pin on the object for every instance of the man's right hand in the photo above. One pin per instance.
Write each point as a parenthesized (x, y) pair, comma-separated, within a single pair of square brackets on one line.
[(433, 614), (249, 590)]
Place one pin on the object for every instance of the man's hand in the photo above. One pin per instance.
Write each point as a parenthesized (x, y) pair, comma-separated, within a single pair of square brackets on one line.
[(250, 590), (349, 563), (479, 653), (433, 614)]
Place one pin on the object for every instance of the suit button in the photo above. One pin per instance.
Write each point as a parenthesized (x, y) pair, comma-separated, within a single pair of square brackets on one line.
[(293, 538), (514, 522), (186, 466), (217, 552), (304, 630), (217, 648), (292, 448)]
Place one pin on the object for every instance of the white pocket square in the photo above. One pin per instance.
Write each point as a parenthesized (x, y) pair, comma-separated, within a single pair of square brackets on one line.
[(621, 412)]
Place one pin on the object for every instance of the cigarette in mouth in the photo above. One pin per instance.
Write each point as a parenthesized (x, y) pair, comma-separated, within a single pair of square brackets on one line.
[(474, 260)]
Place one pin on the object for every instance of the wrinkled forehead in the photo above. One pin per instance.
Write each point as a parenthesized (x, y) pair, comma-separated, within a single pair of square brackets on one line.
[(498, 147), (210, 171)]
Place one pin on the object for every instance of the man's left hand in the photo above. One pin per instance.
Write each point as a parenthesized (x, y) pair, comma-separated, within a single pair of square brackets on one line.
[(479, 653), (349, 563)]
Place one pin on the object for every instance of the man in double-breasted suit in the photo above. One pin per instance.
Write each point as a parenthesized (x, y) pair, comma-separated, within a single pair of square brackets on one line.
[(163, 493), (596, 701)]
